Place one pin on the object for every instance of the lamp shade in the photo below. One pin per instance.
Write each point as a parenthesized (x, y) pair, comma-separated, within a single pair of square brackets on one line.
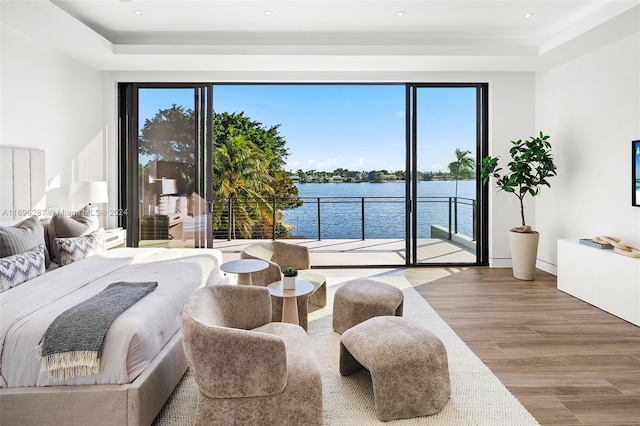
[(166, 186), (91, 192)]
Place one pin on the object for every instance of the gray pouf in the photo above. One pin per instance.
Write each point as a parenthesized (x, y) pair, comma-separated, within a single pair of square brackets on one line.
[(360, 299), (408, 365)]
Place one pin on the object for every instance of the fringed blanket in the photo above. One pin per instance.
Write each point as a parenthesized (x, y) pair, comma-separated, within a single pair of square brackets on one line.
[(72, 345)]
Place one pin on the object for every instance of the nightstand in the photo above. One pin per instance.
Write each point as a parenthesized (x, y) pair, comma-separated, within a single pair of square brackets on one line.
[(115, 238)]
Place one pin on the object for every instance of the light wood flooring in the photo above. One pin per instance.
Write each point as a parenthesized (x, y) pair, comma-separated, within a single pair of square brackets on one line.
[(566, 361)]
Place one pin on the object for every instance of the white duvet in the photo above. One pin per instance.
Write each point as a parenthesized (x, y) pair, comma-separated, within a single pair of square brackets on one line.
[(133, 339)]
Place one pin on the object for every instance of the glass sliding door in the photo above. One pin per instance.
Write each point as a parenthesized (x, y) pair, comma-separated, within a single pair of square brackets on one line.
[(446, 129), (169, 166)]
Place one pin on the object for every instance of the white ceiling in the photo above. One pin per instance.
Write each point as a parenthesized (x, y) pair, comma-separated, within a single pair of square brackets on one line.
[(472, 34)]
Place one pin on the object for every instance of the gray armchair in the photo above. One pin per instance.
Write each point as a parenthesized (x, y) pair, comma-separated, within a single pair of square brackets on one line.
[(279, 255), (248, 369)]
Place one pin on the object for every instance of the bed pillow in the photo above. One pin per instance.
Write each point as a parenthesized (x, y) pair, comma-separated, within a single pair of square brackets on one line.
[(68, 227), (77, 248), (46, 222), (18, 268), (21, 237)]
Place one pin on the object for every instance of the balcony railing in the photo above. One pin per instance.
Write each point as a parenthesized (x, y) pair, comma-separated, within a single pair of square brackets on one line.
[(342, 217)]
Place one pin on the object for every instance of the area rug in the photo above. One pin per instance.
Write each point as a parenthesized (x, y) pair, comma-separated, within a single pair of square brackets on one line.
[(477, 396)]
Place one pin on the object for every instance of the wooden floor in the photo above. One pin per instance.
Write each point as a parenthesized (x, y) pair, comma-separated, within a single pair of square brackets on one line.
[(566, 361)]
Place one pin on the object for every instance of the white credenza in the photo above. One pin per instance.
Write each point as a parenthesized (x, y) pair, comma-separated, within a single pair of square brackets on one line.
[(603, 278)]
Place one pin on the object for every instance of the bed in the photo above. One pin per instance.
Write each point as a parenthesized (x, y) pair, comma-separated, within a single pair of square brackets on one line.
[(142, 359)]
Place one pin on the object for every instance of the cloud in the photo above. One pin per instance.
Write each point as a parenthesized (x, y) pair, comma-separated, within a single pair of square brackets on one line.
[(356, 164), (293, 164), (327, 164)]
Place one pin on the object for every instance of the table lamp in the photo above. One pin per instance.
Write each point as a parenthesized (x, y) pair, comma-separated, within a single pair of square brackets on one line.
[(89, 193)]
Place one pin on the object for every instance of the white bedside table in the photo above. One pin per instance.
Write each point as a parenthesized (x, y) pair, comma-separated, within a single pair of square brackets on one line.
[(115, 238)]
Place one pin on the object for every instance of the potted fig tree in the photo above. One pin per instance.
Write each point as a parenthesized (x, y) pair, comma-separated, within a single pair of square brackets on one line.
[(530, 168)]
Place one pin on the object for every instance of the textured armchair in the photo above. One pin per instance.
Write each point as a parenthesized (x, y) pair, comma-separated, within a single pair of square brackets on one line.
[(249, 370), (279, 255)]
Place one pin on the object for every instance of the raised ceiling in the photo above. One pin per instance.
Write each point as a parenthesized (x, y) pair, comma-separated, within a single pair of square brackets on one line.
[(147, 34)]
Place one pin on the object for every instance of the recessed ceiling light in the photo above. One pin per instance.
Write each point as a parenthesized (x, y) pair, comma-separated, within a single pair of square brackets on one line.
[(401, 13), (528, 15), (268, 12), (136, 12)]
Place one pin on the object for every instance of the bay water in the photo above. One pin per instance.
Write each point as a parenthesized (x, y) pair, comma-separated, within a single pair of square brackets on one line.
[(384, 209)]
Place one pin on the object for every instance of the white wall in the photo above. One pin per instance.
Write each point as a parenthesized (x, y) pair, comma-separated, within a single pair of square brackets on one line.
[(54, 103), (591, 108)]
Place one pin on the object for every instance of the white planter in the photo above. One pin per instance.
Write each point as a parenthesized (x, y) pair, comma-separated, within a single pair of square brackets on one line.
[(524, 251), (289, 283)]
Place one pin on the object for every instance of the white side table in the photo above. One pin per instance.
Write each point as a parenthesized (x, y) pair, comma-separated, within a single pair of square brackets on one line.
[(290, 301), (244, 268), (114, 238)]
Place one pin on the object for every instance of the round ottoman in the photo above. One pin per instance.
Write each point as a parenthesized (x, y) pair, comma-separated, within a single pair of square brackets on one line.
[(408, 365), (360, 299)]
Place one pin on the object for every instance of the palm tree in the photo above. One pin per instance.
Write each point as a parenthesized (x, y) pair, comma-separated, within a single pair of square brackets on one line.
[(462, 164), (241, 175)]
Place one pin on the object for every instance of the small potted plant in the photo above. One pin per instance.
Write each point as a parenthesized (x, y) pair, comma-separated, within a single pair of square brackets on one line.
[(530, 166), (289, 278)]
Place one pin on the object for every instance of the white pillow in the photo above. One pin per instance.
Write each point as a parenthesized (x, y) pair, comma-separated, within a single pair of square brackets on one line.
[(10, 222), (19, 268), (77, 248)]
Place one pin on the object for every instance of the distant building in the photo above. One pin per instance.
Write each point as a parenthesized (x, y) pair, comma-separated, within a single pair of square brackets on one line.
[(336, 178)]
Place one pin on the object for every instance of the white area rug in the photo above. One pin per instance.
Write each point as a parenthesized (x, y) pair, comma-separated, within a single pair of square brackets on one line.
[(477, 396)]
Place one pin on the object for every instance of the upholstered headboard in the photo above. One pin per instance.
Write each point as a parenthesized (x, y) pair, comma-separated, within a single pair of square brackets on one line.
[(22, 183)]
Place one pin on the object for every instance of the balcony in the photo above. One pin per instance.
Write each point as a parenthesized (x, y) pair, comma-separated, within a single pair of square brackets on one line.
[(346, 231)]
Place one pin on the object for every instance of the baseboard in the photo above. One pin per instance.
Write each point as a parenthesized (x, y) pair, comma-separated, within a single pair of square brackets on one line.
[(500, 262), (540, 264), (547, 267)]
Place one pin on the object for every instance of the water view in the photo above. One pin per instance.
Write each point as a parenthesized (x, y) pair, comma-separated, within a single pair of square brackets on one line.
[(384, 209)]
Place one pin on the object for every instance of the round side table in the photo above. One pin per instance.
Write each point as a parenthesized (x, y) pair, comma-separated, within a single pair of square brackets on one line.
[(244, 268), (289, 301)]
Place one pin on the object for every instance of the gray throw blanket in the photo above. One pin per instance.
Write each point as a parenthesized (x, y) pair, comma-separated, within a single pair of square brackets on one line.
[(72, 345)]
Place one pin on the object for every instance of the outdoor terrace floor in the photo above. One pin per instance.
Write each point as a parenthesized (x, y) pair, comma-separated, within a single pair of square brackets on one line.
[(372, 252)]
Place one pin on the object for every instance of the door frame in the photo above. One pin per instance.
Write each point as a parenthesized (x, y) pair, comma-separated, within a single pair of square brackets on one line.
[(411, 183), (128, 117)]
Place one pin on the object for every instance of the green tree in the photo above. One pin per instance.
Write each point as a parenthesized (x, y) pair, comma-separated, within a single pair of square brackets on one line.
[(267, 139), (285, 191), (376, 176), (169, 136), (239, 143), (241, 175), (461, 165)]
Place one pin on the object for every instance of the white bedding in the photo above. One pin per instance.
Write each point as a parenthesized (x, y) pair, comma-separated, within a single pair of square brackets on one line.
[(134, 338)]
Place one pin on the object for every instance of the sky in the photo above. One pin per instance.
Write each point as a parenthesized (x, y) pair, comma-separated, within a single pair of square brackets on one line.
[(356, 127)]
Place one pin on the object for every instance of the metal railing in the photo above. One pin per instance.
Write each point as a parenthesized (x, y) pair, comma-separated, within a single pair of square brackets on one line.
[(340, 217)]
